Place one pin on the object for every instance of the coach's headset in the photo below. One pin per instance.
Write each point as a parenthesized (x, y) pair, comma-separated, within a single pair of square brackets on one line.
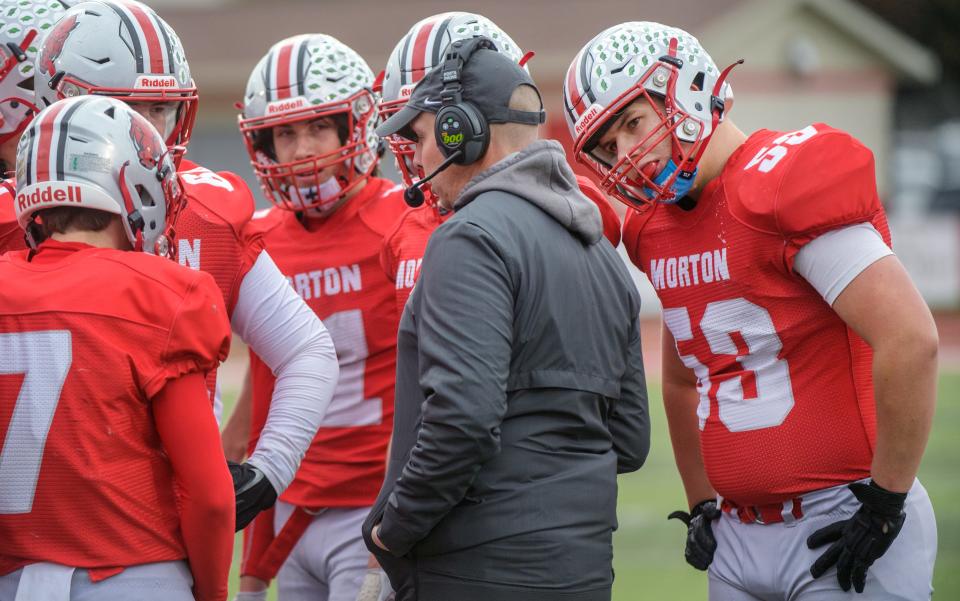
[(461, 129)]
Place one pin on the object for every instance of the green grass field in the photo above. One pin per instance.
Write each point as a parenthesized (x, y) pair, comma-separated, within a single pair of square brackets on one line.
[(648, 556)]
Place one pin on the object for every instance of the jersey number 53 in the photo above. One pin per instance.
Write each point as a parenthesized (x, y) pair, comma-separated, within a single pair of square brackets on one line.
[(751, 323)]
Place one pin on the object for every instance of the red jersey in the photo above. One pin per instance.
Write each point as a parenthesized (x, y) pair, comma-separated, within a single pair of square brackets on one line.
[(403, 248), (786, 392), (11, 236), (210, 226), (209, 233), (334, 264), (86, 482)]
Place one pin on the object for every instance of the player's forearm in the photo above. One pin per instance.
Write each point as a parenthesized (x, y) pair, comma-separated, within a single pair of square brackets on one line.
[(291, 340), (188, 433), (206, 521), (905, 387), (301, 395), (680, 403)]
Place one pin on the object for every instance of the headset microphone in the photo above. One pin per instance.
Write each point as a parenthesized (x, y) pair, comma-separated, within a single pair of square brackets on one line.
[(413, 195)]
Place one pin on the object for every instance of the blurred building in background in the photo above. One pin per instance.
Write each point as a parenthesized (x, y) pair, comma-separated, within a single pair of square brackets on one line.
[(875, 68)]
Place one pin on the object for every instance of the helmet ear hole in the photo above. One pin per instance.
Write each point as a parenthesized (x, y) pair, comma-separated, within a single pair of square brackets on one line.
[(697, 84), (146, 199)]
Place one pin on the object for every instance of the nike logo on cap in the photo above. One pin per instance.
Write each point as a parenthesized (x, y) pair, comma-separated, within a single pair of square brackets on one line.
[(429, 102)]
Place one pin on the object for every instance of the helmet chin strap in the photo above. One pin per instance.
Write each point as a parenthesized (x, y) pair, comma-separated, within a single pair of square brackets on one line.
[(134, 219)]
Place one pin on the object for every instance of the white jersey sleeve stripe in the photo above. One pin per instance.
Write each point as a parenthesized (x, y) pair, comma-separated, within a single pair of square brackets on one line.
[(831, 261)]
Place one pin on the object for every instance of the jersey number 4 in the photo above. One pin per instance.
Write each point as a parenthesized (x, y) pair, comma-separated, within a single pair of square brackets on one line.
[(752, 323), (44, 359), (349, 407)]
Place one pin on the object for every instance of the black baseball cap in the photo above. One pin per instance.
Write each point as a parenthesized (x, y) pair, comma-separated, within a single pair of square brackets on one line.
[(487, 79)]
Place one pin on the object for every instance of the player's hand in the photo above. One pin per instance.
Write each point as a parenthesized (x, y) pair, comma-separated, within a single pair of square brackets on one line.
[(376, 586), (701, 544), (253, 491), (861, 539)]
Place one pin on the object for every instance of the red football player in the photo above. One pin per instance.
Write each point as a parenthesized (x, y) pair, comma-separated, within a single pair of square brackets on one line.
[(799, 359), (153, 77), (417, 52), (18, 49), (312, 146), (113, 480)]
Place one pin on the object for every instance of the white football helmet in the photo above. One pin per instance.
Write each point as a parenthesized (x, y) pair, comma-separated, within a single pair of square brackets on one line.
[(302, 78), (119, 48), (95, 152), (645, 60), (419, 51), (23, 25)]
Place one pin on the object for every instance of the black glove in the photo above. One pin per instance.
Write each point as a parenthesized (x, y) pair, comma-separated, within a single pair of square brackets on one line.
[(253, 491), (701, 543), (862, 539)]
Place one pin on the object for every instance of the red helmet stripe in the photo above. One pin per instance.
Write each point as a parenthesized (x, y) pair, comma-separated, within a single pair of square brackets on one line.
[(283, 71), (150, 35), (420, 52), (45, 142)]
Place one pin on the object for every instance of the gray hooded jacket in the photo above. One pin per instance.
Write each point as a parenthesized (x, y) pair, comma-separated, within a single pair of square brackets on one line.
[(520, 393)]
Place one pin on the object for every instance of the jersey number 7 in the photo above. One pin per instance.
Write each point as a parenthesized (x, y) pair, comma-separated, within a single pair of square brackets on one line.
[(44, 359)]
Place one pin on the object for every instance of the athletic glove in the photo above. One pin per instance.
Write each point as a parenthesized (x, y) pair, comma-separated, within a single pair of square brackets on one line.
[(253, 491), (376, 586), (701, 543), (861, 539)]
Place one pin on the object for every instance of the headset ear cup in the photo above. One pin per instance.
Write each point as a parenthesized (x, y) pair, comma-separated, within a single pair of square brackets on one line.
[(462, 127), (475, 145)]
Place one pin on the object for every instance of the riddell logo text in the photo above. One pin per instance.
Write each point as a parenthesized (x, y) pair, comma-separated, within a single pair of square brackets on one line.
[(285, 105), (156, 82), (586, 118), (49, 195)]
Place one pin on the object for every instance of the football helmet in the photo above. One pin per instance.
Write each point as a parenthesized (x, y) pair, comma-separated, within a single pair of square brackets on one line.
[(645, 60), (302, 78), (23, 25), (95, 152), (119, 48), (419, 51)]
